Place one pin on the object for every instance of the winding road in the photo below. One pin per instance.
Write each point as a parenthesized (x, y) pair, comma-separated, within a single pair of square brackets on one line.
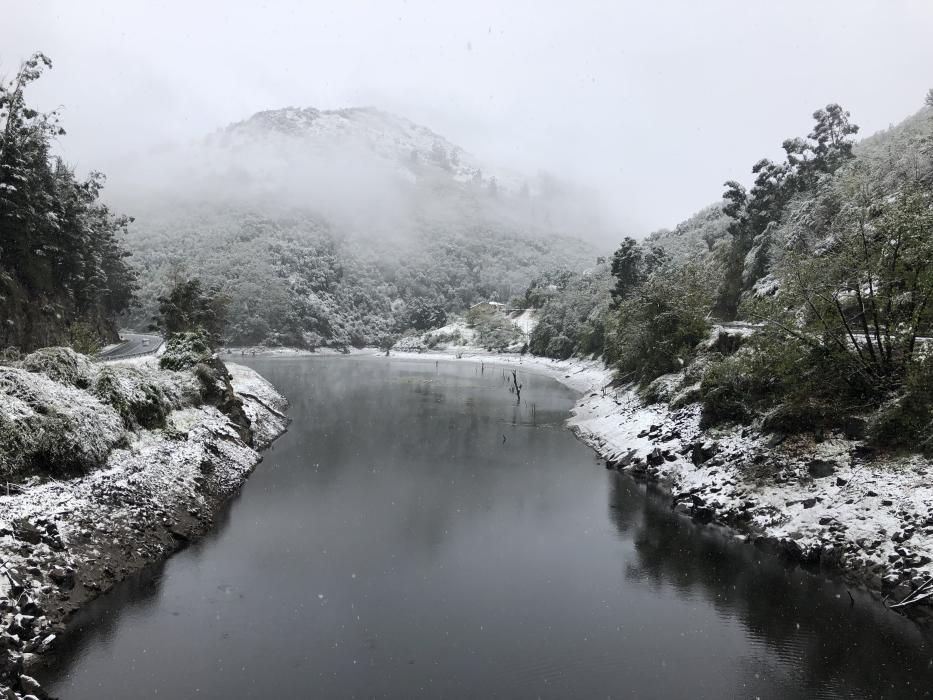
[(133, 345)]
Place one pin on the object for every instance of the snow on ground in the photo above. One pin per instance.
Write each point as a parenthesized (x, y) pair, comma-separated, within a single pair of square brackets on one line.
[(262, 404), (526, 320), (62, 542)]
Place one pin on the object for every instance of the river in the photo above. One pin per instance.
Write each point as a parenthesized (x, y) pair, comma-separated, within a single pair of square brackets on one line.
[(418, 534)]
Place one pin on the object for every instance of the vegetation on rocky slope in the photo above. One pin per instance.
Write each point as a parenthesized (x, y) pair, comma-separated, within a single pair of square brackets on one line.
[(63, 268), (822, 273)]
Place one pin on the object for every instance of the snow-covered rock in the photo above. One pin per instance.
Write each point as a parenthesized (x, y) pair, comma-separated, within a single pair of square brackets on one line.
[(145, 493)]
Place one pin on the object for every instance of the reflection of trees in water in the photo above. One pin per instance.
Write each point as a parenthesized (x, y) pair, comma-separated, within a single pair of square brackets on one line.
[(382, 437), (806, 623)]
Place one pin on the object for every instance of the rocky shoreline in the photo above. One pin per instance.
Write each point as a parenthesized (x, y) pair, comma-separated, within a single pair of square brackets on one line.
[(63, 543), (827, 503)]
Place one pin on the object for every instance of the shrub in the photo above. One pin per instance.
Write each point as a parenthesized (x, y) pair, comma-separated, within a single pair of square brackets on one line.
[(907, 419), (62, 365), (185, 350), (655, 331), (576, 311), (11, 355), (788, 384), (142, 398), (540, 338), (559, 347), (48, 427), (84, 338), (494, 331)]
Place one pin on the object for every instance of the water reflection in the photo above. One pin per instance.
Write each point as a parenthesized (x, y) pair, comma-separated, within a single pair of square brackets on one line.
[(418, 534), (808, 635)]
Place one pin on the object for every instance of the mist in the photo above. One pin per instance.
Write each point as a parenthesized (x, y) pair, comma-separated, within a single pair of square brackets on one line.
[(650, 106)]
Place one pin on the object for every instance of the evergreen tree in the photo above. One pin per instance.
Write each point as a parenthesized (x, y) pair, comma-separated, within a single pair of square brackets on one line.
[(62, 260), (189, 307)]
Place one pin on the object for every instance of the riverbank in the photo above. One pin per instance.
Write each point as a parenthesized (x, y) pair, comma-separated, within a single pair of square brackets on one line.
[(64, 542), (828, 504)]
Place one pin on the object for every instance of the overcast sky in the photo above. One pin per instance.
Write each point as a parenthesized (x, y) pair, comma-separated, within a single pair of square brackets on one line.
[(655, 103)]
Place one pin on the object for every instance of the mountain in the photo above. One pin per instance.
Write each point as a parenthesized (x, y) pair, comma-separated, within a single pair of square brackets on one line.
[(411, 150), (328, 227)]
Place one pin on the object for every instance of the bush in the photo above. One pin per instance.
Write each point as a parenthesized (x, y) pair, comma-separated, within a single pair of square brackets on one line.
[(559, 347), (185, 350), (142, 398), (47, 427), (655, 331), (10, 356), (62, 365), (907, 419), (540, 338), (787, 384), (84, 338), (576, 311), (494, 331)]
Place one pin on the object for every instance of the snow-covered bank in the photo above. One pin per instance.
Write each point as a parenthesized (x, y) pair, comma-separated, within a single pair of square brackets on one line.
[(828, 504), (63, 542)]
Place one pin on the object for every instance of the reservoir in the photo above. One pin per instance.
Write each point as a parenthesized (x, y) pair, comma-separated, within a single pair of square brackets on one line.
[(417, 533)]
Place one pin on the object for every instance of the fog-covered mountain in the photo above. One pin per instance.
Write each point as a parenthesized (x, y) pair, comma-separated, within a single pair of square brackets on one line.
[(326, 227)]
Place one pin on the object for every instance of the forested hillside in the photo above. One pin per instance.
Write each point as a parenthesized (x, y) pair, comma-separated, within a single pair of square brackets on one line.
[(826, 265), (341, 228), (63, 268)]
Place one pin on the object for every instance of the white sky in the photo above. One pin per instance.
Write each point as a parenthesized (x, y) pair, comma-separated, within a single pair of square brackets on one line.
[(654, 103)]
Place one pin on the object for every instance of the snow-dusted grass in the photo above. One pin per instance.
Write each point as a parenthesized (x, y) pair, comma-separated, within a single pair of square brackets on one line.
[(144, 395), (52, 427)]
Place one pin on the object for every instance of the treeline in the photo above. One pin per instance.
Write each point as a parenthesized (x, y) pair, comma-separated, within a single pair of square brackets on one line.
[(291, 279), (64, 273), (822, 273)]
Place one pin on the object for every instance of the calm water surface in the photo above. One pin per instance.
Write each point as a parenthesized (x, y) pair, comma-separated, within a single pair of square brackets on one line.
[(417, 534)]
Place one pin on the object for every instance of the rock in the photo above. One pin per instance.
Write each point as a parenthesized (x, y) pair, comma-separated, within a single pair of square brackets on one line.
[(820, 468), (31, 607), (775, 439), (47, 643), (831, 555), (702, 451), (11, 664), (656, 457), (31, 686), (809, 502), (65, 578), (703, 514), (840, 481), (791, 548), (887, 502), (26, 531)]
